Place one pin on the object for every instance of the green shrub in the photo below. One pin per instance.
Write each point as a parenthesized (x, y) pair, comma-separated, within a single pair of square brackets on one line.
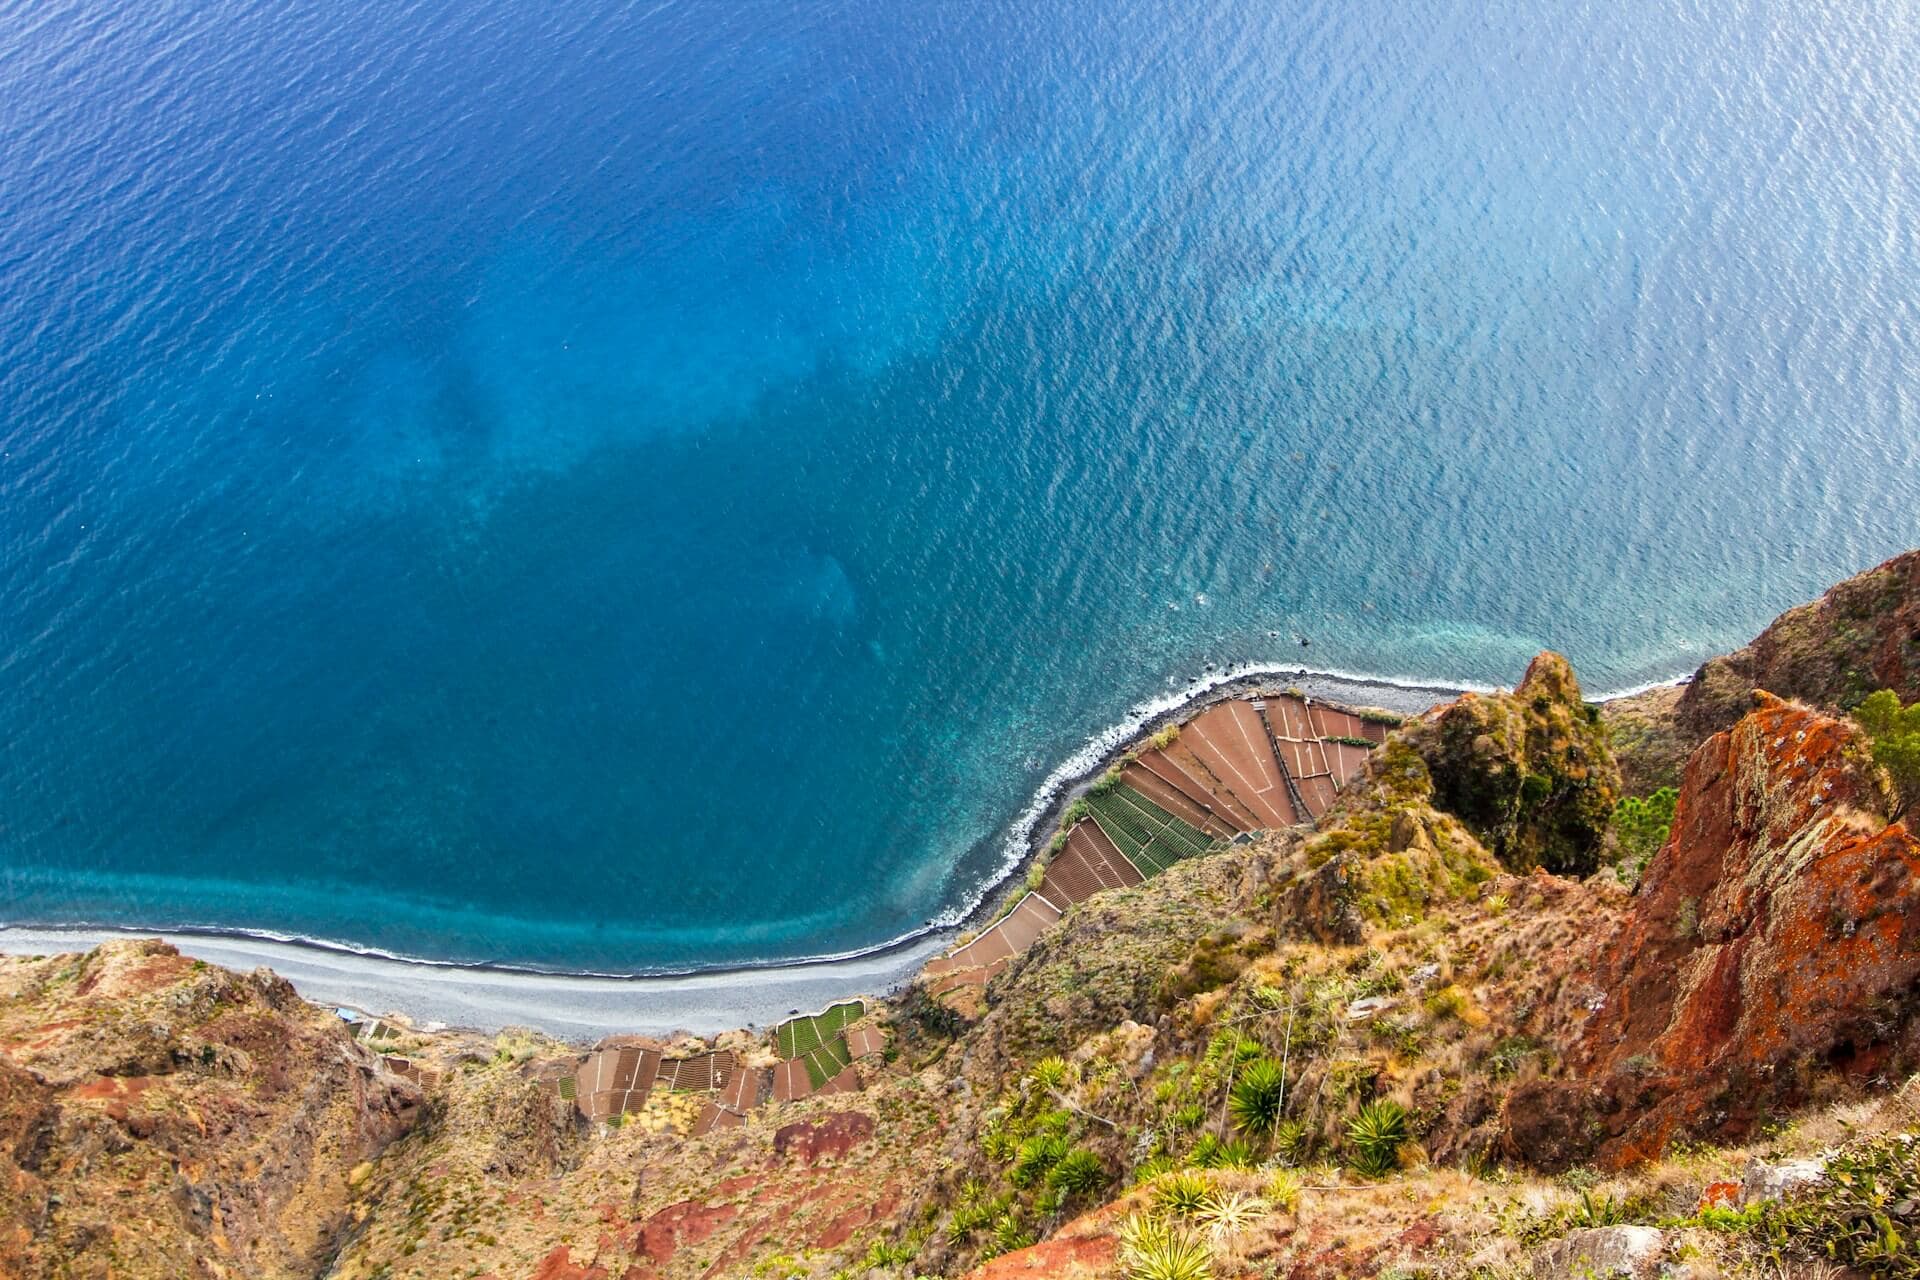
[(1640, 825), (1077, 1173), (1049, 1073), (1867, 1213), (1184, 1194), (1896, 743), (1376, 1135), (1258, 1096), (1509, 1053), (1038, 1154)]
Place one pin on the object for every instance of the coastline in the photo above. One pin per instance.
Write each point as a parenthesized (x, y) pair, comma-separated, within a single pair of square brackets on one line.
[(1033, 829), (584, 1005), (567, 1006)]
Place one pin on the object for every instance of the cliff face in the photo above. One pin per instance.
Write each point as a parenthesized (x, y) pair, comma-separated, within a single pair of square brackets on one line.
[(1530, 772), (1862, 635), (160, 1117), (1775, 941), (1431, 952)]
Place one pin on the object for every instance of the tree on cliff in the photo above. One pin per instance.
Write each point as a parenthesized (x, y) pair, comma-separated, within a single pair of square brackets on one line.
[(1895, 731)]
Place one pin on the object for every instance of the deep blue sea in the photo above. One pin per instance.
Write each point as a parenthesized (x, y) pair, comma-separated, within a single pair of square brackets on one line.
[(619, 485)]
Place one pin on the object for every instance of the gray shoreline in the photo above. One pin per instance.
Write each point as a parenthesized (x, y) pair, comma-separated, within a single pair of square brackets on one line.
[(579, 1006), (566, 1006), (1349, 692)]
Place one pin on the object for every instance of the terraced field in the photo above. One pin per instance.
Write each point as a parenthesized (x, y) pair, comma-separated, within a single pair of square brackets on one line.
[(802, 1036), (826, 1060), (1152, 838), (1236, 767)]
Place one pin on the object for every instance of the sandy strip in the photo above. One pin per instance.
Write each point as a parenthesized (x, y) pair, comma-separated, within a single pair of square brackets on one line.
[(567, 1006)]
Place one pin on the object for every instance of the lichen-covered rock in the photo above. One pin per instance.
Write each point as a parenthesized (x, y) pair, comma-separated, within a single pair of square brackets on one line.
[(1776, 934), (1529, 772), (1763, 1182), (1602, 1253), (161, 1117), (1862, 635)]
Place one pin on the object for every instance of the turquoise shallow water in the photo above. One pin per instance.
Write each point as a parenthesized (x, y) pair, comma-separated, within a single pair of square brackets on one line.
[(658, 486)]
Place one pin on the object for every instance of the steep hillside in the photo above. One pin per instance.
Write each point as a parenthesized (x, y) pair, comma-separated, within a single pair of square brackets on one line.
[(1862, 635), (1443, 1030), (160, 1117), (1450, 1018)]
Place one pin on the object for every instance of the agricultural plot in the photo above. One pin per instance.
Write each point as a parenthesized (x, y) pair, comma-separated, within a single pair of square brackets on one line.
[(803, 1035), (1150, 837), (825, 1061)]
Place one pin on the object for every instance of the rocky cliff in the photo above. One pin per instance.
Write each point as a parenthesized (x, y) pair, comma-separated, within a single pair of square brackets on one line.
[(1773, 948), (1435, 1033), (161, 1117), (1862, 635)]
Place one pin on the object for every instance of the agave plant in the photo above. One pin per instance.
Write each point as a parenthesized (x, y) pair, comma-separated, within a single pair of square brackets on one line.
[(1037, 1155), (1010, 1234), (1049, 1073), (1152, 1167), (1174, 1255), (1376, 1135), (1077, 1173), (1140, 1231), (1258, 1096), (1283, 1189), (1184, 1194), (1211, 1153), (1292, 1141), (1229, 1217)]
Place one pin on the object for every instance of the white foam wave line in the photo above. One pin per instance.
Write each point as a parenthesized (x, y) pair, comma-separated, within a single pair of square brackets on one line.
[(1014, 849), (362, 951), (1634, 690)]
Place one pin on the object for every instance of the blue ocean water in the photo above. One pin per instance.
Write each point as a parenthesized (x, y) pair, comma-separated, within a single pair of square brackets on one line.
[(622, 485)]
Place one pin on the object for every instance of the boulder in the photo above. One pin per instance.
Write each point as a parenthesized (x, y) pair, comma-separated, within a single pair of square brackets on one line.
[(1602, 1253), (1784, 1181)]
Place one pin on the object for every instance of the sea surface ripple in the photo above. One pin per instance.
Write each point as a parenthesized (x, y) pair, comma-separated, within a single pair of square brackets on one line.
[(628, 487)]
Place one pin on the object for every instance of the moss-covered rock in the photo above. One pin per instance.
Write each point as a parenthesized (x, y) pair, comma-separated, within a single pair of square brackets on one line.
[(1531, 773)]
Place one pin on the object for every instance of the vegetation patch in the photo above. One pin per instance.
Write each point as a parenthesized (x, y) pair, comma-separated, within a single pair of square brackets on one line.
[(1895, 732), (1638, 827), (802, 1036)]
